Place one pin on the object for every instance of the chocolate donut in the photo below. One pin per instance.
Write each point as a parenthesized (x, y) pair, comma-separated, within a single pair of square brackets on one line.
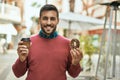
[(74, 43)]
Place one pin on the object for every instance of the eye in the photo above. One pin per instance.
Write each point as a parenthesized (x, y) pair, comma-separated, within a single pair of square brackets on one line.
[(52, 18), (45, 18)]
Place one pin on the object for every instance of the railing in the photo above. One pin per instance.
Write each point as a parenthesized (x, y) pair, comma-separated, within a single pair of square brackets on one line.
[(9, 13)]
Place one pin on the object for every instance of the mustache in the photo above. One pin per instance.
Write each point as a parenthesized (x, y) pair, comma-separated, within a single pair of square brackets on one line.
[(49, 26)]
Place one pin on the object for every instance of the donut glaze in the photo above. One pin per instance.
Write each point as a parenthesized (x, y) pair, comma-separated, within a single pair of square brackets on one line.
[(74, 43)]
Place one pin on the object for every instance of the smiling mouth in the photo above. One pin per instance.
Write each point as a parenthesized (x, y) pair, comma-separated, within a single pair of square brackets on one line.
[(48, 29), (49, 26)]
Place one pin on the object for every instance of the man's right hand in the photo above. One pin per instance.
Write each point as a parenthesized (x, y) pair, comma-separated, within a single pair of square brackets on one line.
[(22, 51)]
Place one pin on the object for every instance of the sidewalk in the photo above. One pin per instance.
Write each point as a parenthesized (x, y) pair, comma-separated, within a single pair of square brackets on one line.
[(7, 60)]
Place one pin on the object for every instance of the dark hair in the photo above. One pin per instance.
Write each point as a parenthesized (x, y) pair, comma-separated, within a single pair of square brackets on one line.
[(49, 7)]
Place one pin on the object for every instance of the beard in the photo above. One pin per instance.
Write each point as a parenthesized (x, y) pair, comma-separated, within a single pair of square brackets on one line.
[(54, 29)]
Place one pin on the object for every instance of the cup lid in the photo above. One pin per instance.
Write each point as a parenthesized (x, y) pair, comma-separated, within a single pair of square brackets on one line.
[(25, 39)]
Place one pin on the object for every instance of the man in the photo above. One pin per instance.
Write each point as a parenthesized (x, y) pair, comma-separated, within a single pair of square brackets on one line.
[(49, 56)]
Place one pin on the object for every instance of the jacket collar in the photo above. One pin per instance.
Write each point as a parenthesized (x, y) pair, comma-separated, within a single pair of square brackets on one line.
[(51, 36)]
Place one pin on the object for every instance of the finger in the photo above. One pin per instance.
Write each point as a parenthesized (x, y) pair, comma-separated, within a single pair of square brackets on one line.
[(73, 53), (24, 49), (20, 43), (21, 47), (78, 55), (24, 52), (79, 52)]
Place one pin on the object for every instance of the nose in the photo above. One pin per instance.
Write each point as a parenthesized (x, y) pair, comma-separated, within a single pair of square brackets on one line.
[(49, 22)]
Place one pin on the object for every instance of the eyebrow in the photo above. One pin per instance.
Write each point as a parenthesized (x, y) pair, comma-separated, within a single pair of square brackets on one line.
[(45, 17)]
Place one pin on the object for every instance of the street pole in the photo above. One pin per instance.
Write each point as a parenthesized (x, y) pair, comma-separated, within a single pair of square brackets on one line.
[(46, 1), (110, 47)]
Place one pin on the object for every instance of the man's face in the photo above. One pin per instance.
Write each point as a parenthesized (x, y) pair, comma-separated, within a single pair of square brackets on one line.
[(48, 21)]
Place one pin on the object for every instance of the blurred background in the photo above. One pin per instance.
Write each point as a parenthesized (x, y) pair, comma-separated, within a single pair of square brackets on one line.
[(81, 19)]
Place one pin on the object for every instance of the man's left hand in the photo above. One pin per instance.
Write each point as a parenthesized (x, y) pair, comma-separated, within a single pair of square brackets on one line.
[(76, 56)]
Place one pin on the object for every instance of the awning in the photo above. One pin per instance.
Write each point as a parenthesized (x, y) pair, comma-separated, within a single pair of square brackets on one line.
[(7, 29), (78, 21), (80, 18)]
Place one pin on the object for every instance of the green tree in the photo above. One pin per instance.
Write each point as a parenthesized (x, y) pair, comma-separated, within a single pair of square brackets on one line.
[(88, 48)]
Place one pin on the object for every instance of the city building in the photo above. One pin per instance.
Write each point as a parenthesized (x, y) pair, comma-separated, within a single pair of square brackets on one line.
[(10, 14)]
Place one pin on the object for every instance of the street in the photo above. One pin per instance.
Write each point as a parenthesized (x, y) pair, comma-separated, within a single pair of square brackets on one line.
[(6, 62)]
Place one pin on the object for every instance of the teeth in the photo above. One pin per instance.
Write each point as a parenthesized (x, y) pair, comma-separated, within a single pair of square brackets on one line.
[(49, 26)]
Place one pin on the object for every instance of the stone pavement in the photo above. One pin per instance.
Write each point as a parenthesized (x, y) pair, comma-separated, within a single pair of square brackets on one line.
[(6, 61)]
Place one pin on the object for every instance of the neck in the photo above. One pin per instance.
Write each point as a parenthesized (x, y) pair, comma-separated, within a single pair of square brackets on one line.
[(48, 36)]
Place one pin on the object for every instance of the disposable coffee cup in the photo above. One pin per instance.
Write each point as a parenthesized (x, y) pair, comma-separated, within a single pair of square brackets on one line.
[(26, 41)]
